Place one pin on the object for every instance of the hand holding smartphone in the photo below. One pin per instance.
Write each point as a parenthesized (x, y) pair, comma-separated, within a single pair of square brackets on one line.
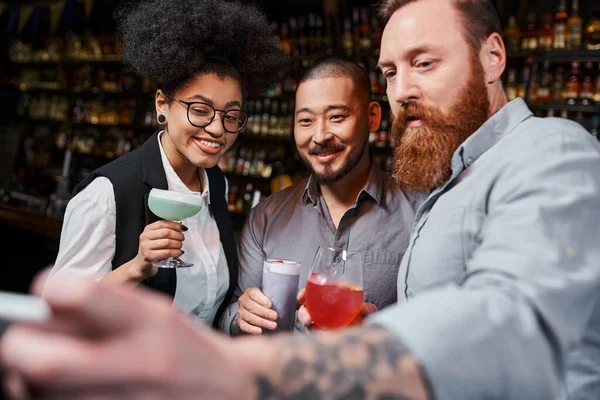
[(17, 307)]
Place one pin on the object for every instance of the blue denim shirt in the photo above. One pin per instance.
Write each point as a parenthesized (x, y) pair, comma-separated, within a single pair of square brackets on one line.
[(498, 288)]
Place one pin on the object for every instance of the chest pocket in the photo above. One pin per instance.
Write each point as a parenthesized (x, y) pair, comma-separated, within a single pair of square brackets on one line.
[(381, 277), (437, 256)]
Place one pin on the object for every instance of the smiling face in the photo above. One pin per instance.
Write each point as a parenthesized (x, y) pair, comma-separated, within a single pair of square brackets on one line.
[(332, 124), (436, 88), (185, 143)]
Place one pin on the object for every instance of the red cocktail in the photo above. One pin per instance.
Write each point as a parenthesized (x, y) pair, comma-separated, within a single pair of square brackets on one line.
[(330, 303)]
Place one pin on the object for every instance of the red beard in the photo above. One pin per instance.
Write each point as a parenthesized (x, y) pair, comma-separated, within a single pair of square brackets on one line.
[(422, 156)]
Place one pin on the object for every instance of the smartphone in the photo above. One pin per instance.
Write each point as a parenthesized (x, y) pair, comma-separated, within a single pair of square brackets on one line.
[(17, 307)]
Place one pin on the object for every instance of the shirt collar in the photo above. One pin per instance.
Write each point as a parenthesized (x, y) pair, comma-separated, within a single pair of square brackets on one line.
[(373, 188), (174, 182), (491, 132)]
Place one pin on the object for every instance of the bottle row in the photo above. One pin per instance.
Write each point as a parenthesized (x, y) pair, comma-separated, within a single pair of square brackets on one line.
[(562, 30), (555, 84), (73, 47), (96, 111), (250, 162), (316, 34), (86, 78)]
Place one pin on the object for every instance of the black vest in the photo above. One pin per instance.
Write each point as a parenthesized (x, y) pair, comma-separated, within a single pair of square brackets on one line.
[(133, 175)]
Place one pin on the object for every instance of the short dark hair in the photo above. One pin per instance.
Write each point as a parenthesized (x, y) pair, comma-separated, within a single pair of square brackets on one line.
[(175, 41), (338, 67), (479, 18)]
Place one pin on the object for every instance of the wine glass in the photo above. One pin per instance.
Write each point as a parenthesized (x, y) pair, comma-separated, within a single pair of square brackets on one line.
[(334, 289), (173, 206)]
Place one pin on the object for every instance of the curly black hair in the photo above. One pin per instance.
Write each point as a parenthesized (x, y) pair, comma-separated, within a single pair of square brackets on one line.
[(174, 41)]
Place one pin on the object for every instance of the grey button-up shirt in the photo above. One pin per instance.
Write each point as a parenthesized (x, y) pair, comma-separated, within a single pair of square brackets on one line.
[(498, 288), (293, 223)]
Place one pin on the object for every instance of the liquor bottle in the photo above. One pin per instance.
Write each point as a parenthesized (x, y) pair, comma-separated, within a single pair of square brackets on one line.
[(534, 85), (348, 38), (264, 123), (529, 36), (280, 178), (365, 30), (293, 26), (283, 112), (586, 95), (257, 118), (560, 22), (564, 114), (356, 29), (558, 85), (525, 77), (546, 32), (302, 41), (511, 84), (247, 199), (573, 84), (543, 91), (231, 201), (273, 119), (592, 33), (579, 118), (286, 43), (382, 136), (512, 34), (574, 27)]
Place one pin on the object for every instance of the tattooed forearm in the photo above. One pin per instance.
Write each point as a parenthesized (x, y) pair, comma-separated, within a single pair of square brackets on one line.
[(365, 363)]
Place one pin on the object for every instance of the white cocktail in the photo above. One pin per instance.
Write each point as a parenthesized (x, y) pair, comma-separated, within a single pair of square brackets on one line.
[(173, 206)]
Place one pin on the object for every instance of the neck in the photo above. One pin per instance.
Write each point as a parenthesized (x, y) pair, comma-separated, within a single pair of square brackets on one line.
[(185, 170), (343, 192), (498, 99)]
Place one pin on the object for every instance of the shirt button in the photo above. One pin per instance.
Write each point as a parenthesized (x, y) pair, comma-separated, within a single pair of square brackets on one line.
[(470, 161)]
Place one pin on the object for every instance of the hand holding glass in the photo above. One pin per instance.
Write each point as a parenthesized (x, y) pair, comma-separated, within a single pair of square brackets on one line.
[(173, 206), (334, 290)]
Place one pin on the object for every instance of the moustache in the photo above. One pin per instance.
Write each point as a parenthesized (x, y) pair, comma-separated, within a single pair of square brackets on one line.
[(412, 111), (324, 150)]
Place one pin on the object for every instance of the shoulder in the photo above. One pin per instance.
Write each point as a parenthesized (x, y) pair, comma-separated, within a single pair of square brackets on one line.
[(98, 192), (545, 133)]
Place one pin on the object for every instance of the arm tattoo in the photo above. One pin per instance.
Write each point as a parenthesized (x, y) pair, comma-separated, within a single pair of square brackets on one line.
[(358, 364)]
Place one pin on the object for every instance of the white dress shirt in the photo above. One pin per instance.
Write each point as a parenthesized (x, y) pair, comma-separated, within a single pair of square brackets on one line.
[(87, 245)]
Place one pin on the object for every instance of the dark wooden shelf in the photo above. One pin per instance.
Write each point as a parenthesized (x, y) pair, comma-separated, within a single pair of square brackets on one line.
[(110, 60), (30, 221), (248, 137), (592, 108), (580, 55)]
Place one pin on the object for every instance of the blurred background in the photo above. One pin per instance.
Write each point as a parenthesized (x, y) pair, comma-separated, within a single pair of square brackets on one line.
[(69, 105)]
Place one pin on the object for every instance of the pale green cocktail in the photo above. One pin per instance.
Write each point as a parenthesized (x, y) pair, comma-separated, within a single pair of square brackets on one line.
[(173, 206), (173, 210)]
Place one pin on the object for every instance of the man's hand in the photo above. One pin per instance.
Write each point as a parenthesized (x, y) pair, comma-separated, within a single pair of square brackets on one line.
[(255, 312), (306, 320), (119, 342)]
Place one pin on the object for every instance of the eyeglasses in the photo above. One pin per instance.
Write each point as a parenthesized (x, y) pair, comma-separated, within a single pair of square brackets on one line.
[(201, 115)]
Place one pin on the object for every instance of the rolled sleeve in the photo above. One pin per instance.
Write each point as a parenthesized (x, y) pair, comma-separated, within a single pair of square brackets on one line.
[(530, 287)]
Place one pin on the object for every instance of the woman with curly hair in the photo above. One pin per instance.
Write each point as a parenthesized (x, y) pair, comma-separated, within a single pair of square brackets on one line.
[(203, 56)]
